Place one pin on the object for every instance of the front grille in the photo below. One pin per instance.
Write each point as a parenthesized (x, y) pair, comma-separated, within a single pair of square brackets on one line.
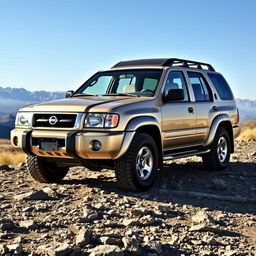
[(54, 120)]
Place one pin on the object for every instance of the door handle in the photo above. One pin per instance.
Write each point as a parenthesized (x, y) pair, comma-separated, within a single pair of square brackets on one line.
[(190, 110)]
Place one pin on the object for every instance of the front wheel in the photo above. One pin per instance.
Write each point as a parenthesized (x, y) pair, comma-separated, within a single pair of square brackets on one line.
[(44, 171), (218, 157), (137, 169)]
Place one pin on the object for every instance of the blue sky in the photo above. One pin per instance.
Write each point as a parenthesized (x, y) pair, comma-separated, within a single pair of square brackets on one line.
[(57, 44)]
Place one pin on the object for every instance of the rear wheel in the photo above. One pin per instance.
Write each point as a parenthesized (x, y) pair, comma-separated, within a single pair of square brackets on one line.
[(137, 169), (44, 171), (218, 158)]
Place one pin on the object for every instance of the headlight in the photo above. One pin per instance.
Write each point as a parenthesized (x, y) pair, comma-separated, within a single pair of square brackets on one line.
[(23, 119), (94, 120)]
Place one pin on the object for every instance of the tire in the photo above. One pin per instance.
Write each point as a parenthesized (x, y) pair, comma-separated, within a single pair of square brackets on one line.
[(45, 172), (133, 171), (218, 158)]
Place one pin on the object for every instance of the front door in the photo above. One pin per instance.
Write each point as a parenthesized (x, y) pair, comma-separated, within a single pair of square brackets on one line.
[(178, 118)]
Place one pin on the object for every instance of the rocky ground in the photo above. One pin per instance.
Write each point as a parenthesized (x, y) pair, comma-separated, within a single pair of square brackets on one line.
[(189, 211)]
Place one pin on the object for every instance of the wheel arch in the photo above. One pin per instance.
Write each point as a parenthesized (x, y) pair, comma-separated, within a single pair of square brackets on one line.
[(150, 126), (222, 120)]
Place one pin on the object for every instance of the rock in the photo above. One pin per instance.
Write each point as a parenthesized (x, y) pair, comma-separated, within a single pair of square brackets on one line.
[(139, 212), (205, 227), (130, 243), (110, 240), (20, 166), (15, 249), (173, 240), (155, 246), (58, 249), (202, 217), (99, 206), (131, 222), (90, 215), (6, 224), (231, 253), (5, 167), (3, 249), (83, 237), (164, 209), (107, 250), (29, 224), (50, 192), (147, 220), (209, 240), (33, 195)]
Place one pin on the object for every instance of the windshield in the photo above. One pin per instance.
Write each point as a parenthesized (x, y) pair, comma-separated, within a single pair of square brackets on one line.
[(122, 82)]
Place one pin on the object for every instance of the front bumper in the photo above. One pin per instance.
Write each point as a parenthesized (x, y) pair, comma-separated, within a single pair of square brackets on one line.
[(73, 144)]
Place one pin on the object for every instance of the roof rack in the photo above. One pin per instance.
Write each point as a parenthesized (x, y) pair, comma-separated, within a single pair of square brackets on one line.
[(169, 62), (188, 64)]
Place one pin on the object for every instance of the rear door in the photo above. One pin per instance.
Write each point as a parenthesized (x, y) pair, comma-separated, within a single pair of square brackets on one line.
[(178, 118), (205, 107)]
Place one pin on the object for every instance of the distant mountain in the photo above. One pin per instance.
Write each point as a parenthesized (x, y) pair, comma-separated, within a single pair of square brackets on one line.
[(6, 125), (247, 109), (11, 99)]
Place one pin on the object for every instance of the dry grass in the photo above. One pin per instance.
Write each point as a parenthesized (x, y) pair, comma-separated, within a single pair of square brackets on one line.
[(8, 155), (11, 158), (248, 130), (247, 134)]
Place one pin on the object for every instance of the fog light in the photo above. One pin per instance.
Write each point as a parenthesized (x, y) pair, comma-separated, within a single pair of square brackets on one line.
[(95, 145), (15, 141)]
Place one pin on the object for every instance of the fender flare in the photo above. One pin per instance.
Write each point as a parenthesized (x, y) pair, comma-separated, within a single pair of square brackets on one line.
[(131, 128), (214, 126), (140, 121)]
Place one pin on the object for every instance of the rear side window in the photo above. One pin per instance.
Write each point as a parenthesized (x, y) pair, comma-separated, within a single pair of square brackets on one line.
[(200, 87), (221, 86)]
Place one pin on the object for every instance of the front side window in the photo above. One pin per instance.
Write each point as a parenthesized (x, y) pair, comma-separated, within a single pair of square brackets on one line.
[(125, 82), (200, 87), (221, 86), (176, 80)]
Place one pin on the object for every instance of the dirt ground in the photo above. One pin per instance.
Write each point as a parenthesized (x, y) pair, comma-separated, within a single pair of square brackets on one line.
[(87, 213)]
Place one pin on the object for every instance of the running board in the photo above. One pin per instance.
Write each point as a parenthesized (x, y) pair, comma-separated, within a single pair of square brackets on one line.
[(185, 154)]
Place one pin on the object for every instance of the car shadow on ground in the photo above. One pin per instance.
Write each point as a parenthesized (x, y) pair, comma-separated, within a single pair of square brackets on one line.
[(238, 180)]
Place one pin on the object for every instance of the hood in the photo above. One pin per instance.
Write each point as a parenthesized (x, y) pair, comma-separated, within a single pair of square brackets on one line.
[(83, 104)]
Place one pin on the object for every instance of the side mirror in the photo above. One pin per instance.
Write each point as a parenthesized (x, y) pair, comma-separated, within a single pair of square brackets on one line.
[(174, 95), (69, 94)]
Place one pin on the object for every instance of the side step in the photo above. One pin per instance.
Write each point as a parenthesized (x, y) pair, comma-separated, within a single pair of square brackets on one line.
[(185, 154)]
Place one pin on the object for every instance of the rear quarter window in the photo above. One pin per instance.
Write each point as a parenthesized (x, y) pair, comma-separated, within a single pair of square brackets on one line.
[(221, 86)]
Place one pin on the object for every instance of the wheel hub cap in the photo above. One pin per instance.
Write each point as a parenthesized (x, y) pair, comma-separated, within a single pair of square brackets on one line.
[(144, 163), (222, 149)]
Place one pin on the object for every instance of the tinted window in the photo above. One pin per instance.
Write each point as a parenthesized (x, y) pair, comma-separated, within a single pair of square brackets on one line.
[(200, 87), (221, 86), (150, 84), (175, 80)]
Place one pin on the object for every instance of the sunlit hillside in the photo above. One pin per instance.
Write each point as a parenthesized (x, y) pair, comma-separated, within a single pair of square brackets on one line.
[(248, 130)]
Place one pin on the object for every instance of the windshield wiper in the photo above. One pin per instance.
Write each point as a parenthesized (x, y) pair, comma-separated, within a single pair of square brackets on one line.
[(83, 94), (121, 94)]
